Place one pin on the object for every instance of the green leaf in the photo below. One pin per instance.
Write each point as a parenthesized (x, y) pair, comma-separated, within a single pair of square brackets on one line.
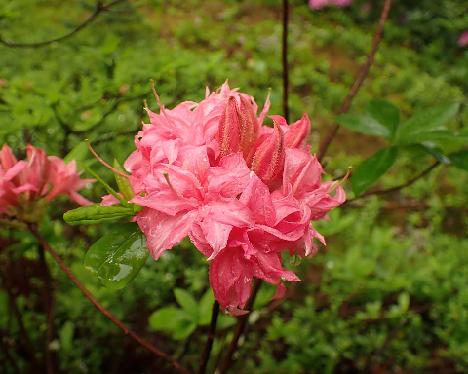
[(123, 183), (78, 153), (367, 173), (460, 159), (363, 123), (205, 307), (117, 257), (172, 320), (385, 113), (92, 214), (66, 337), (165, 319), (187, 302), (427, 120)]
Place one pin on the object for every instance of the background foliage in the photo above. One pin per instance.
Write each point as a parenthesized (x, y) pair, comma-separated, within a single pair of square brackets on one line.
[(388, 294)]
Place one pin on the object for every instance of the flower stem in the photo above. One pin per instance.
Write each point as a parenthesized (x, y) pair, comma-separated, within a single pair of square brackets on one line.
[(210, 339), (239, 331)]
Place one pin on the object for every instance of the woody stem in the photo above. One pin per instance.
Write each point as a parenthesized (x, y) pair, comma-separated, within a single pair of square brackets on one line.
[(210, 339), (239, 331)]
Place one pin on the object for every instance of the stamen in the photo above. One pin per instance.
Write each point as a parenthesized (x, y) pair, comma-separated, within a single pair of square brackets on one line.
[(105, 164), (166, 177)]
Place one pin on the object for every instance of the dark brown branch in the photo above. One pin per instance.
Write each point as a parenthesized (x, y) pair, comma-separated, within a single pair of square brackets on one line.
[(100, 7), (50, 357), (360, 78), (239, 331), (210, 339), (398, 187), (141, 341), (285, 59)]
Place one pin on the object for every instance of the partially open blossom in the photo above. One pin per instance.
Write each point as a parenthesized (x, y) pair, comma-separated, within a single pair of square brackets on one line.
[(25, 184), (319, 4), (242, 190)]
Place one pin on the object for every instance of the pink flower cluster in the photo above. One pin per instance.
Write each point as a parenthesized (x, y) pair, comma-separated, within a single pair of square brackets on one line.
[(38, 178), (242, 191), (463, 39), (320, 4)]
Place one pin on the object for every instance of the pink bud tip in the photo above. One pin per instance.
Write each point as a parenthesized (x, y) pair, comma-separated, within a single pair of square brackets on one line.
[(237, 127), (297, 133), (268, 160), (229, 128)]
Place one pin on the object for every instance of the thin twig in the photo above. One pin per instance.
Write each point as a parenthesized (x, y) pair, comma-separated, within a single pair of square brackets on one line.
[(239, 331), (285, 60), (210, 339), (100, 7), (360, 78), (141, 341), (398, 187)]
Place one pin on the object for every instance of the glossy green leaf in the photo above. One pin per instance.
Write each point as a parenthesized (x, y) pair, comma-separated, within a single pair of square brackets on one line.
[(368, 172), (187, 302), (117, 257), (460, 159), (385, 113), (92, 214), (363, 123), (426, 121)]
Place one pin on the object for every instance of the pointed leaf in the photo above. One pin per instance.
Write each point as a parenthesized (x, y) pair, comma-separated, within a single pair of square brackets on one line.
[(460, 159), (205, 308), (187, 302), (367, 173), (385, 113), (427, 120), (117, 257), (363, 123)]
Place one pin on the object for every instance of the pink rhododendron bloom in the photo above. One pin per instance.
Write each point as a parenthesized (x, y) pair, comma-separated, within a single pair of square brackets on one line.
[(320, 4), (39, 178), (243, 191), (463, 39)]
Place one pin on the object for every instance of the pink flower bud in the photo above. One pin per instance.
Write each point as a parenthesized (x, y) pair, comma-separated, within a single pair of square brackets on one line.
[(237, 127), (229, 128), (268, 160), (297, 133)]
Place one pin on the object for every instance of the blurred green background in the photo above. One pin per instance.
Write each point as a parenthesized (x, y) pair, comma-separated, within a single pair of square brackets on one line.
[(388, 293)]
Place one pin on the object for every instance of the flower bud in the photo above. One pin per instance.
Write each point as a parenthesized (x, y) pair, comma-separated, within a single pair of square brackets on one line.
[(268, 160), (229, 128), (237, 127), (297, 133)]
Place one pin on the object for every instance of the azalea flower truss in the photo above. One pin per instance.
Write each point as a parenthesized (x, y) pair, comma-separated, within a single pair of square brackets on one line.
[(242, 191), (26, 186)]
